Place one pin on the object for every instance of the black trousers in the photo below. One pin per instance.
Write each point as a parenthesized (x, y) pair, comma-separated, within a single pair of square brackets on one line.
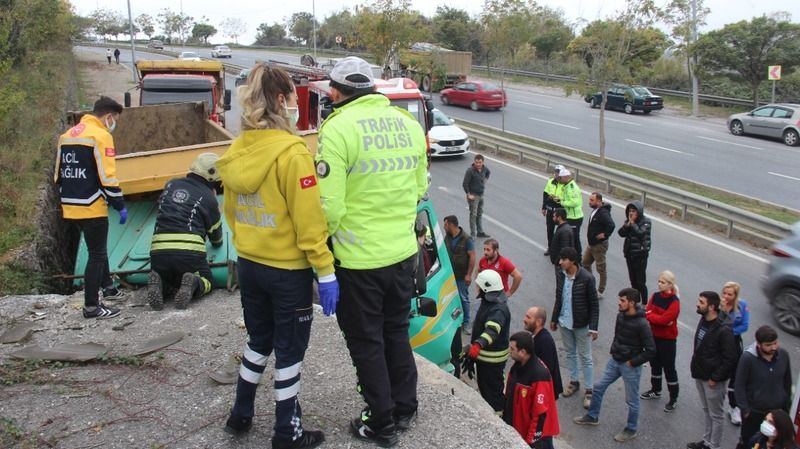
[(96, 273), (637, 273), (750, 425), (551, 225), (373, 315), (490, 383), (664, 361), (171, 265), (278, 311), (576, 224), (732, 380)]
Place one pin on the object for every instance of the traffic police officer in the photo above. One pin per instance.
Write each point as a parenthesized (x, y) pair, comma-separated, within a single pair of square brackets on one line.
[(86, 176), (550, 201), (187, 212), (572, 202), (372, 168)]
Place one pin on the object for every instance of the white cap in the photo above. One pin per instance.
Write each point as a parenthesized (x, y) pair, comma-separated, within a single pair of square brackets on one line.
[(489, 281), (349, 67), (205, 167), (558, 168), (564, 172)]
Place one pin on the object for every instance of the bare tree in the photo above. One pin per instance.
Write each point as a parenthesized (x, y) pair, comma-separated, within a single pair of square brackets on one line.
[(233, 28)]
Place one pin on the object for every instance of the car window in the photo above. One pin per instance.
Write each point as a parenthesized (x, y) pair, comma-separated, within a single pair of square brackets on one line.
[(469, 87), (439, 119), (763, 112), (490, 86), (782, 113), (461, 87), (642, 91), (427, 240)]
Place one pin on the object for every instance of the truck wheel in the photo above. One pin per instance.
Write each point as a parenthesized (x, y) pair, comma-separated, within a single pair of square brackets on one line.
[(426, 83), (127, 99)]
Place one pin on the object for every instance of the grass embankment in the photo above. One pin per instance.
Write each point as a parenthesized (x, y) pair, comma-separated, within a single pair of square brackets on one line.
[(774, 212), (34, 94)]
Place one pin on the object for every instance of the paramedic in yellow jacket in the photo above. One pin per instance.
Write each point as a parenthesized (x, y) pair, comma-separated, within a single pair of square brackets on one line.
[(272, 206), (372, 169), (86, 176)]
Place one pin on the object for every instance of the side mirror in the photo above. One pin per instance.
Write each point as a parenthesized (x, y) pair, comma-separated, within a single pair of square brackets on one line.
[(227, 100), (426, 306), (429, 114), (127, 99)]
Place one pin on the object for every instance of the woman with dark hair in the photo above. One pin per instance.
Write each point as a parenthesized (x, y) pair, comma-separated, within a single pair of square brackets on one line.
[(777, 432)]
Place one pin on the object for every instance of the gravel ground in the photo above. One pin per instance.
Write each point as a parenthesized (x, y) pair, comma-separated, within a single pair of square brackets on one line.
[(169, 401)]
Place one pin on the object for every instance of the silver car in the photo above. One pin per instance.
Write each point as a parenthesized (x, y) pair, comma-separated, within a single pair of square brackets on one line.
[(780, 121), (781, 284)]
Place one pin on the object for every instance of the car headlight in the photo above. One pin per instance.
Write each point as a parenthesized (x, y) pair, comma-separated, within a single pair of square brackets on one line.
[(432, 140)]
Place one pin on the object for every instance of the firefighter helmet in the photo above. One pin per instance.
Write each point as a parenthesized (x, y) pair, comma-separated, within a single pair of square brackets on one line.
[(489, 281), (205, 167)]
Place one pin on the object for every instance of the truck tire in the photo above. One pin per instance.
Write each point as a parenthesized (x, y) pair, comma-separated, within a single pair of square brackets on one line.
[(426, 83), (127, 99)]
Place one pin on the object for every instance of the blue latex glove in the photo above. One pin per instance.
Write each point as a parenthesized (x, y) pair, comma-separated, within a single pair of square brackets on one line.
[(328, 294), (123, 215)]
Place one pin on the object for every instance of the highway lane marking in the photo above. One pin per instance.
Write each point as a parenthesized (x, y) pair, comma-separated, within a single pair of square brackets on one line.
[(657, 219), (783, 176), (660, 148), (534, 104), (553, 123), (729, 143), (617, 120)]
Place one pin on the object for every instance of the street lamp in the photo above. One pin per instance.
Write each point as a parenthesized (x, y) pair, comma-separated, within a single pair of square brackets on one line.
[(133, 47)]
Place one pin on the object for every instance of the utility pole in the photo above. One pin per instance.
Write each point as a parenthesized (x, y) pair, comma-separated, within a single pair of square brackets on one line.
[(314, 26), (133, 46), (693, 63)]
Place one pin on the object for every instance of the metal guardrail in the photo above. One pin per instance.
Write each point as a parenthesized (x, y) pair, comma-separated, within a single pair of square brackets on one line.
[(727, 101), (733, 217)]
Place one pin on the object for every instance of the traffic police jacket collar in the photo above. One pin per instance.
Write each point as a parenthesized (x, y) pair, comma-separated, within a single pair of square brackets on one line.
[(354, 98)]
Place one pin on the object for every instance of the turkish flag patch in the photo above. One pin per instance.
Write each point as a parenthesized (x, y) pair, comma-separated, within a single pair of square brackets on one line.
[(308, 181), (110, 152), (77, 130)]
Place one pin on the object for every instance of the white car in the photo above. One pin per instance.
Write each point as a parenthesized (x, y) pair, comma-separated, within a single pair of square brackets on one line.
[(188, 56), (446, 138), (221, 51)]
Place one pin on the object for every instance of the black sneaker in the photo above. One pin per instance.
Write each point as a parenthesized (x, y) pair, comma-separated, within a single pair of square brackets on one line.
[(101, 312), (386, 436), (698, 445), (309, 438), (404, 422), (184, 294), (650, 394), (671, 406), (586, 420), (483, 235), (112, 294), (238, 425), (155, 291)]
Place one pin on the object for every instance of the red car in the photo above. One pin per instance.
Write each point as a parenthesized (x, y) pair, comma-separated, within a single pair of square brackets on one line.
[(476, 95)]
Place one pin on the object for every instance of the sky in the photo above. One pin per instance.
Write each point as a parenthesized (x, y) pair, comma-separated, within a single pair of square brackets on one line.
[(254, 13)]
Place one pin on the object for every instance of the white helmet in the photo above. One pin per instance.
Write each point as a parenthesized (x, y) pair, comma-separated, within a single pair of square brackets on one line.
[(489, 281), (205, 167)]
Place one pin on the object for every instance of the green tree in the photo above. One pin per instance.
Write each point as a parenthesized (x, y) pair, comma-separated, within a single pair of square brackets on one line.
[(685, 17), (748, 48), (301, 27), (105, 22), (342, 24), (146, 24), (453, 28), (615, 49), (506, 27), (81, 26), (203, 31), (551, 33), (386, 26), (233, 28), (173, 23), (274, 34)]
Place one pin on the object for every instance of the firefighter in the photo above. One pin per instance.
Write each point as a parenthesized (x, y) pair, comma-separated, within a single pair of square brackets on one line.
[(87, 182), (372, 170), (187, 212), (489, 350)]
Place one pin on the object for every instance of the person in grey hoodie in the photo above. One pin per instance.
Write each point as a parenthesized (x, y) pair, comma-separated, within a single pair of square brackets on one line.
[(763, 382), (636, 232)]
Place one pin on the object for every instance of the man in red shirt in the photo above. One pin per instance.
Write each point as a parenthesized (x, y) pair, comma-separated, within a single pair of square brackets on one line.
[(493, 260)]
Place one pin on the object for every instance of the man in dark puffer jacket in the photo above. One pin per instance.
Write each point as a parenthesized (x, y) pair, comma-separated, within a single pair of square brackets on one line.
[(636, 232), (633, 345)]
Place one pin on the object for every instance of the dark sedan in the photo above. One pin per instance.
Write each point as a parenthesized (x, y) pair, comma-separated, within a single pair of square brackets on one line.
[(475, 94), (628, 99)]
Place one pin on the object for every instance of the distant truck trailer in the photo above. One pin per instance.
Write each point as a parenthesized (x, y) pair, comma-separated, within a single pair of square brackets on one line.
[(433, 68)]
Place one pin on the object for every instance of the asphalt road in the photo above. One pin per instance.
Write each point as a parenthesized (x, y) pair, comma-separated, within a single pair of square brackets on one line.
[(699, 262)]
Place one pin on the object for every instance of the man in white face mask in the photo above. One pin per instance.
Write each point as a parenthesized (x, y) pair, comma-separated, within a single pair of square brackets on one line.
[(86, 177)]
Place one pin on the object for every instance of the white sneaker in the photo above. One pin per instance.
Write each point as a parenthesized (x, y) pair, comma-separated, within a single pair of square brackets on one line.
[(736, 416)]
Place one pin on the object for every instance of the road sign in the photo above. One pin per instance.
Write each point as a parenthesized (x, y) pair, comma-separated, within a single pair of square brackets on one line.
[(774, 73), (338, 39)]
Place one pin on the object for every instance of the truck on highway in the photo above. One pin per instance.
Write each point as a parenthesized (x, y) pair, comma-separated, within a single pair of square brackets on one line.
[(179, 81), (432, 67)]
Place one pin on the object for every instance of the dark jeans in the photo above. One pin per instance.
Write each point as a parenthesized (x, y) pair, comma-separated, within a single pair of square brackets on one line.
[(96, 273), (490, 384), (373, 315), (664, 361), (278, 312), (544, 443), (576, 224), (551, 225), (750, 426), (637, 273), (173, 264)]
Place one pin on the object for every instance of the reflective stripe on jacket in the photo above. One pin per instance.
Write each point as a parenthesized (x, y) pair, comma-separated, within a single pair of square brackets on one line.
[(187, 212), (372, 170), (86, 172)]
